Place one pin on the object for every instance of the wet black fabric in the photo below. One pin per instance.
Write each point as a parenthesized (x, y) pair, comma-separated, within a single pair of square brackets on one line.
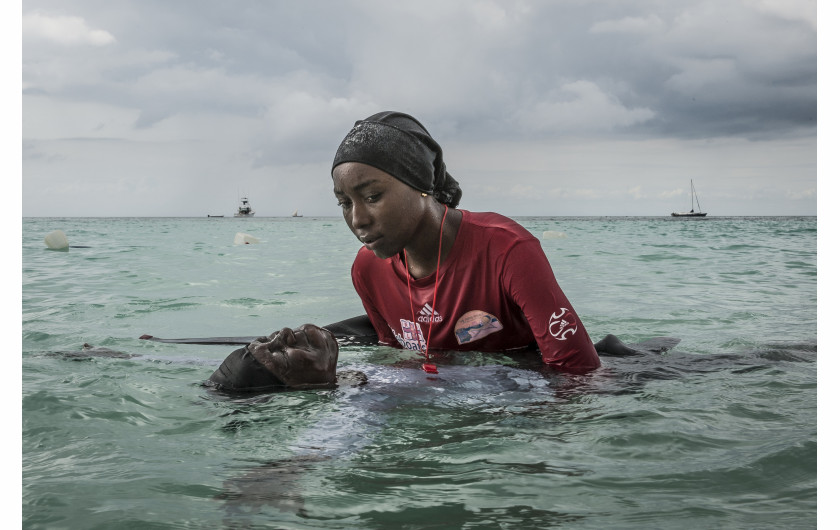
[(242, 372), (356, 331), (399, 145)]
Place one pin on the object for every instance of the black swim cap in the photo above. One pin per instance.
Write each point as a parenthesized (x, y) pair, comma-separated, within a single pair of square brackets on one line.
[(242, 372), (399, 145)]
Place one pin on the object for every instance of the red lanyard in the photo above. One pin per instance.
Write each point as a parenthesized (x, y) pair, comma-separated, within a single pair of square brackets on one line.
[(427, 366)]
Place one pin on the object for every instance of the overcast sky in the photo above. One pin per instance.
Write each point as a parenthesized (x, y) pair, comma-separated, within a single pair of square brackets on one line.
[(177, 108)]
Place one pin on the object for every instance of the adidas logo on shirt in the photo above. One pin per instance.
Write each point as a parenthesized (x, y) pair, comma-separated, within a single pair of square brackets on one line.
[(425, 315)]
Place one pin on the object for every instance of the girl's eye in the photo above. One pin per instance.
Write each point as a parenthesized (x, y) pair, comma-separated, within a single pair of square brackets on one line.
[(373, 198), (344, 204)]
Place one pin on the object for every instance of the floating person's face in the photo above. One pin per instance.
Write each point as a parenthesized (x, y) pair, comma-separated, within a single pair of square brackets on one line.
[(381, 211), (301, 358)]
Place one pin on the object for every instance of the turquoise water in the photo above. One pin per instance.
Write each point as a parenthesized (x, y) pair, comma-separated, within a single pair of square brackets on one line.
[(721, 432)]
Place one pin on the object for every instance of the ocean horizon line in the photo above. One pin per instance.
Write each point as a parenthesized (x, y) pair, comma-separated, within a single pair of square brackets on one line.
[(247, 219)]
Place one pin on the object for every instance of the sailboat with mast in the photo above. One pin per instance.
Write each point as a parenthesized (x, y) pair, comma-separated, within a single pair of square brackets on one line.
[(692, 213)]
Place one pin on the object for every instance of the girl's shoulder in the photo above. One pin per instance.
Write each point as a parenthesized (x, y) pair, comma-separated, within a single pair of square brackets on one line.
[(493, 226)]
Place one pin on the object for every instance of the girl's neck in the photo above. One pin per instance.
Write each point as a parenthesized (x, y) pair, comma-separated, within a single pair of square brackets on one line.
[(423, 252)]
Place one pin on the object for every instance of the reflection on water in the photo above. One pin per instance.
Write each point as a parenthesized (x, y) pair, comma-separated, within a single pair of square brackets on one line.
[(718, 432)]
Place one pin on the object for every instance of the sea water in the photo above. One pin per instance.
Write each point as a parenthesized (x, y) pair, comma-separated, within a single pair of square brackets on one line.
[(720, 432)]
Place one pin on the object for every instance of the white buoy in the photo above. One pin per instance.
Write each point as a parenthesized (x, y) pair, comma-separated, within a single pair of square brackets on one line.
[(244, 239), (57, 240), (552, 234)]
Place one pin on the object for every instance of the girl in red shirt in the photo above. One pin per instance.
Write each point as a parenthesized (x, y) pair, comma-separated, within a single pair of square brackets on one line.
[(431, 276)]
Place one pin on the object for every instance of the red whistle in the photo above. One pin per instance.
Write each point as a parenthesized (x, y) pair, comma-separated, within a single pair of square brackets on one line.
[(430, 368)]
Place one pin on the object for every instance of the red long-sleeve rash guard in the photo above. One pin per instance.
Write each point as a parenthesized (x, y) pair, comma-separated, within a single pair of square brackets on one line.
[(496, 291)]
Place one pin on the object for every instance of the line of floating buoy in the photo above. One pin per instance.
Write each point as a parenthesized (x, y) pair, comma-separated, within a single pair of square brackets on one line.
[(57, 240), (552, 234), (242, 238)]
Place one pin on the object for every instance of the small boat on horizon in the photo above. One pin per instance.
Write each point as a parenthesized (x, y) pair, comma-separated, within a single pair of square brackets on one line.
[(296, 214), (692, 213), (245, 210)]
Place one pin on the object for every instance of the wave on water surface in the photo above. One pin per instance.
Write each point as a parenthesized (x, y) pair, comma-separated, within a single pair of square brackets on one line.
[(717, 432)]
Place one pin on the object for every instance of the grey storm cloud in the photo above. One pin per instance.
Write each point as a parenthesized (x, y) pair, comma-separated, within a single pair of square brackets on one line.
[(285, 80)]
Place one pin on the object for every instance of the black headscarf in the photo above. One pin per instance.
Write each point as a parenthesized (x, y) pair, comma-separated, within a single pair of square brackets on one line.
[(399, 145)]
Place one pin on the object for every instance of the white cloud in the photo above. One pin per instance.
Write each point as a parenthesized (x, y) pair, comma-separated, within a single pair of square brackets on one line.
[(796, 10), (705, 78), (648, 24), (48, 119), (671, 194), (580, 106), (572, 103), (575, 193), (63, 29), (797, 195)]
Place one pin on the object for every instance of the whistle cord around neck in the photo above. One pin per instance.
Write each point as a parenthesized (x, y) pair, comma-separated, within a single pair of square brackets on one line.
[(427, 366)]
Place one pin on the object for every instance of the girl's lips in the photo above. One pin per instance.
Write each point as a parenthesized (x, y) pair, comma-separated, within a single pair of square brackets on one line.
[(370, 241)]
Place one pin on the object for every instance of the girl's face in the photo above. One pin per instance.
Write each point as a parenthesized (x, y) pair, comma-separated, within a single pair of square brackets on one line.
[(382, 212)]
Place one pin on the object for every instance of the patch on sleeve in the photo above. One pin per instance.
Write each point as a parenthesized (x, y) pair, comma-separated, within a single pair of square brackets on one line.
[(561, 325), (474, 325)]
